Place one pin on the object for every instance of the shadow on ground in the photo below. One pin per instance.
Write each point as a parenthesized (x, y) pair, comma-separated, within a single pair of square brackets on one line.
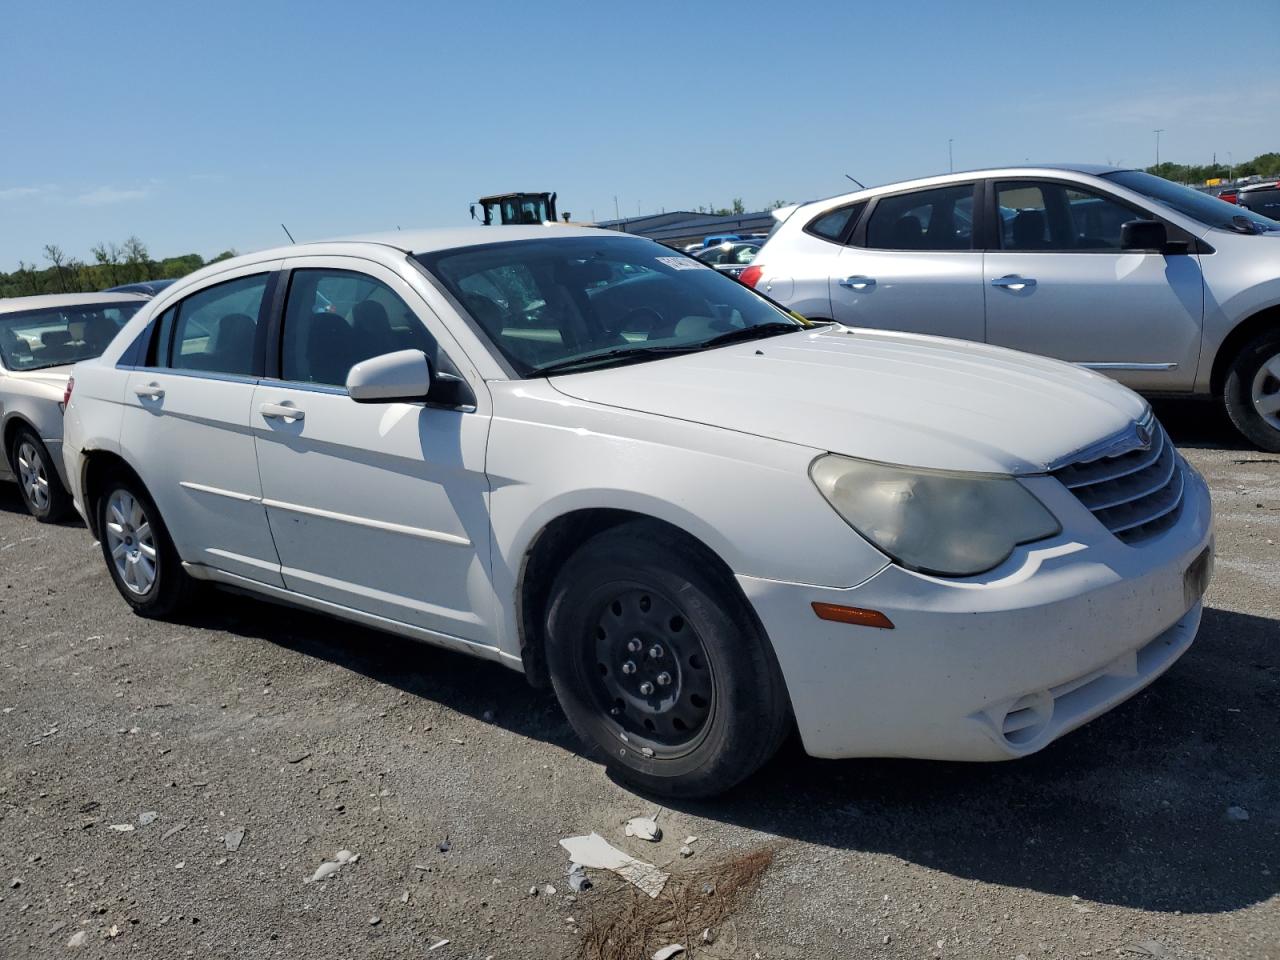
[(1130, 810)]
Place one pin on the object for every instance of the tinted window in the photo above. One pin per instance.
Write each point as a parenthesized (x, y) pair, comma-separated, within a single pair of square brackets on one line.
[(59, 335), (940, 219), (1055, 217), (1265, 202), (615, 300), (217, 328), (336, 318), (831, 225)]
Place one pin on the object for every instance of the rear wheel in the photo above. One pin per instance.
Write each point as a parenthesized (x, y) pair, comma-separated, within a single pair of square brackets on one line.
[(1252, 391), (139, 553), (659, 664), (41, 487)]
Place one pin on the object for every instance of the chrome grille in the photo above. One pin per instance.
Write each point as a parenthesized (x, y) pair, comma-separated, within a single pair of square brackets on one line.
[(1135, 494)]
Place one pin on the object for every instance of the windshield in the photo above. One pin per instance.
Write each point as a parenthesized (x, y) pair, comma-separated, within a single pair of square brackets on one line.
[(55, 336), (554, 302), (1210, 211)]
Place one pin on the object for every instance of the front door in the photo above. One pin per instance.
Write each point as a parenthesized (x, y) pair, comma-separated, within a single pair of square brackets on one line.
[(186, 425), (380, 507), (1058, 284), (911, 266)]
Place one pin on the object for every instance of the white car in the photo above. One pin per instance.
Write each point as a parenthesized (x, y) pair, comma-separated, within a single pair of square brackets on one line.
[(1168, 290), (603, 463), (40, 338)]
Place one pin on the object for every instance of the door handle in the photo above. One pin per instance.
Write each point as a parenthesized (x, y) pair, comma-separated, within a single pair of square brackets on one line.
[(282, 411), (1014, 282), (858, 283), (149, 391)]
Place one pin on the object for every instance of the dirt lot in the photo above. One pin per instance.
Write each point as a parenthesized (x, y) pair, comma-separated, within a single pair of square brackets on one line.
[(312, 736)]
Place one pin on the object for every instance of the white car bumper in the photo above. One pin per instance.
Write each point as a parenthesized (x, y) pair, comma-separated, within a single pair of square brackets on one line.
[(992, 670)]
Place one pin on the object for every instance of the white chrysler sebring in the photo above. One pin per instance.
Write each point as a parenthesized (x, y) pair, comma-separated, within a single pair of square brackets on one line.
[(701, 519)]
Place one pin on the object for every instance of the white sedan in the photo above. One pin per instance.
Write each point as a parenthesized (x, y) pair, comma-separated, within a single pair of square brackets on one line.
[(600, 462)]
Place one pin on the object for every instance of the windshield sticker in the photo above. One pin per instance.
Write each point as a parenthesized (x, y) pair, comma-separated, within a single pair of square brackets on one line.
[(681, 263)]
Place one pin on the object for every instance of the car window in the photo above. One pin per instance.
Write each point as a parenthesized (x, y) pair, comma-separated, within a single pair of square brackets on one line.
[(938, 219), (831, 225), (55, 336), (560, 300), (216, 329), (1060, 218), (334, 319)]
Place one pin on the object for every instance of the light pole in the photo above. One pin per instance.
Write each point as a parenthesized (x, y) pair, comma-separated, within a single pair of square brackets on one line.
[(951, 166), (1231, 167), (1158, 132)]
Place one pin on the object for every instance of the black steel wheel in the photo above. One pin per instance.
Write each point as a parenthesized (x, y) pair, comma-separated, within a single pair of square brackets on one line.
[(660, 664)]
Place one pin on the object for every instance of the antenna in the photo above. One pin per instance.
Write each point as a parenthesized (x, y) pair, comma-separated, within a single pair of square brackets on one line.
[(287, 233), (857, 181)]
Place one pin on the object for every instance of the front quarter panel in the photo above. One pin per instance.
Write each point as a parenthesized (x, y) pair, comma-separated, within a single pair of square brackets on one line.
[(749, 499)]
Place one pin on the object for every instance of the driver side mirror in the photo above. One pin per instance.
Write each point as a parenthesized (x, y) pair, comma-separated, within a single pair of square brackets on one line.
[(1148, 235), (403, 376)]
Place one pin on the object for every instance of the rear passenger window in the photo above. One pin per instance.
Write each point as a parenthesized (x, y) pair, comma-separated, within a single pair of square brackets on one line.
[(832, 224), (939, 219), (336, 318), (216, 329)]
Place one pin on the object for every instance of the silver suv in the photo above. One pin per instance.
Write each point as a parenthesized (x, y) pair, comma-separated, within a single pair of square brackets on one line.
[(1165, 289)]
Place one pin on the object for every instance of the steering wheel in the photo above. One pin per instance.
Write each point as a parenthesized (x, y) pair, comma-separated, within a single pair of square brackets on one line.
[(647, 319)]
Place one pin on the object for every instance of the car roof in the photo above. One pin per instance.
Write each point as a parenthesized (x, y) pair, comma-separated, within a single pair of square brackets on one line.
[(52, 300), (942, 179), (1264, 185)]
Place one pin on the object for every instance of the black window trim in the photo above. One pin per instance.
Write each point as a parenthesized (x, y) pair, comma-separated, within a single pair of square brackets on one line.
[(859, 238), (994, 238)]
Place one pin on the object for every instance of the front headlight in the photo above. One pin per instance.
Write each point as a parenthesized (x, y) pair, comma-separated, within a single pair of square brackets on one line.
[(950, 524)]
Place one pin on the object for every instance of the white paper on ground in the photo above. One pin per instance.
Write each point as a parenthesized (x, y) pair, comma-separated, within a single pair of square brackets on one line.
[(596, 852)]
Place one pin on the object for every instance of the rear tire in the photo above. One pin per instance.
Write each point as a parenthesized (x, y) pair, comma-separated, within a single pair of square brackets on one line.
[(41, 487), (1252, 392), (139, 552), (659, 663)]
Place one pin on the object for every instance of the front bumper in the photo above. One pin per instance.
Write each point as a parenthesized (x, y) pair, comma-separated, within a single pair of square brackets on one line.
[(999, 666)]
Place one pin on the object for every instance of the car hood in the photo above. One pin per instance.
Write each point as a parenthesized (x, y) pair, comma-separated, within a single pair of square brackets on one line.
[(893, 397)]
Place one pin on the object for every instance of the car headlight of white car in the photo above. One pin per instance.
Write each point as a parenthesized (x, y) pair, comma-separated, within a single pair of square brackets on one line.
[(934, 521)]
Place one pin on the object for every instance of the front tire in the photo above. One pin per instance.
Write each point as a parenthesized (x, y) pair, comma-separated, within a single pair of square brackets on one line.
[(38, 481), (660, 665), (139, 552), (1252, 392)]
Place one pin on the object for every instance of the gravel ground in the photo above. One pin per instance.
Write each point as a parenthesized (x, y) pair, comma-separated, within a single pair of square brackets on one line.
[(311, 736)]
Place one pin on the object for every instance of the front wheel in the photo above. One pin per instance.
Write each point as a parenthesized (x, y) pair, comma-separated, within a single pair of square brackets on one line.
[(140, 555), (38, 481), (658, 663), (1252, 392)]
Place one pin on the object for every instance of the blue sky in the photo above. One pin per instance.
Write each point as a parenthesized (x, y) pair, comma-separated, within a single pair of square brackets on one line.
[(203, 127)]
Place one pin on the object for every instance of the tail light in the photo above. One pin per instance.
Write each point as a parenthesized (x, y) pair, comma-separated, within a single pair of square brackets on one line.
[(751, 276), (1230, 196), (66, 394)]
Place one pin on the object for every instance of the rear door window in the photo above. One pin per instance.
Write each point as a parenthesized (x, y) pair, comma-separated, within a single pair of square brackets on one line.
[(216, 329), (937, 219)]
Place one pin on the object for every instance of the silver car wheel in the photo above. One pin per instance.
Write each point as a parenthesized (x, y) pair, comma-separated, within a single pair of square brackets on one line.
[(131, 542), (33, 475), (1266, 392)]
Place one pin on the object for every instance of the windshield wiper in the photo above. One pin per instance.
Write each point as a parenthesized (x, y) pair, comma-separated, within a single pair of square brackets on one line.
[(771, 329), (617, 353)]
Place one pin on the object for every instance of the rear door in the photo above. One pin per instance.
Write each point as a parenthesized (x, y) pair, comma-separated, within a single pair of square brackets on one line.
[(1059, 284), (186, 424), (380, 507), (911, 265)]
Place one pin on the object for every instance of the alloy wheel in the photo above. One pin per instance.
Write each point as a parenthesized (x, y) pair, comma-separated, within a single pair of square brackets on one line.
[(131, 542), (1266, 392), (650, 672), (33, 475)]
